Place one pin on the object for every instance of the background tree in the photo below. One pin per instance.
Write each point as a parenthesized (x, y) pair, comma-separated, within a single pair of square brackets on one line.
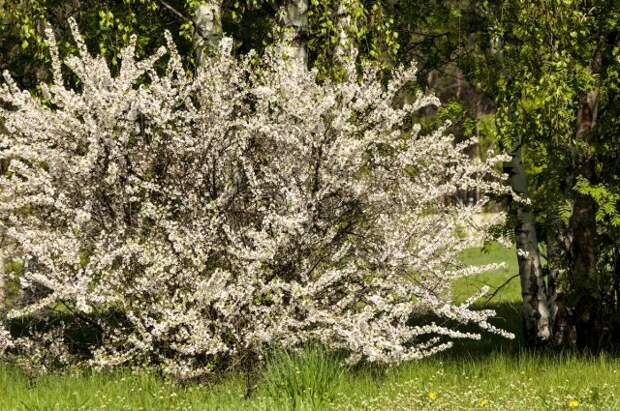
[(546, 73), (557, 99), (253, 24), (108, 25)]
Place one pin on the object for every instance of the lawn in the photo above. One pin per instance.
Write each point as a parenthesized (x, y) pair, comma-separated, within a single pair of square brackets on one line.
[(491, 374)]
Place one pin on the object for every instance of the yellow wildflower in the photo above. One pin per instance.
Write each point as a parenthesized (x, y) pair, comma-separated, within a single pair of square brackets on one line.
[(573, 404), (483, 403), (432, 395)]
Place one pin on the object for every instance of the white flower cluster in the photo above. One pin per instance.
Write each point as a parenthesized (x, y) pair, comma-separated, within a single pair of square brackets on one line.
[(197, 220)]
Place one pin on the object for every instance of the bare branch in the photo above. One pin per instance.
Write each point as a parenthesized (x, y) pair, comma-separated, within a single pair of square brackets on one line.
[(175, 11), (498, 289)]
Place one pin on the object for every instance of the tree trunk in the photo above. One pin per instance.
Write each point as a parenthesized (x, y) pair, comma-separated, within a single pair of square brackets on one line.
[(583, 223), (583, 250), (346, 49), (537, 313), (295, 29), (207, 28), (561, 313)]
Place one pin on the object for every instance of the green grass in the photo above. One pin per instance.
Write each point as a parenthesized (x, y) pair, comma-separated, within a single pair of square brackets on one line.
[(494, 253), (492, 374)]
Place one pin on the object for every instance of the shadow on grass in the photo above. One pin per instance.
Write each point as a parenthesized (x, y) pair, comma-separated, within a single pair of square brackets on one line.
[(508, 318)]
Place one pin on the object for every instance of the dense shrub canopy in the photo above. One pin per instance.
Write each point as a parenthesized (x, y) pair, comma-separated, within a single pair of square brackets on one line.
[(196, 220)]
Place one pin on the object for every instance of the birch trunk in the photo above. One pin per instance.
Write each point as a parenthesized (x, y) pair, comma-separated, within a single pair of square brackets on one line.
[(207, 28), (295, 25), (537, 314), (346, 49)]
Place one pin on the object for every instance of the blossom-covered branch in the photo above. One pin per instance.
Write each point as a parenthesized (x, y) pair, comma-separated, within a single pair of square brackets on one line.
[(198, 220)]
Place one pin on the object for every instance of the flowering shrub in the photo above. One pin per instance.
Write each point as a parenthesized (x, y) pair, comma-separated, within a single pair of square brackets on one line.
[(194, 221)]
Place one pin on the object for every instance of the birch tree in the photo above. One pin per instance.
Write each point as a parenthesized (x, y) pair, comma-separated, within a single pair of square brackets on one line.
[(538, 310), (294, 20), (552, 96), (207, 28)]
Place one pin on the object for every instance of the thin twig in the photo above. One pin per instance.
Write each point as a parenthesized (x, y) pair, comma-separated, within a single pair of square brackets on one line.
[(497, 290), (175, 11)]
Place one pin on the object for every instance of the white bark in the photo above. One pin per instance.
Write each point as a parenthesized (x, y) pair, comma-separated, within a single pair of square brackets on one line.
[(346, 49), (207, 28), (295, 22), (537, 314)]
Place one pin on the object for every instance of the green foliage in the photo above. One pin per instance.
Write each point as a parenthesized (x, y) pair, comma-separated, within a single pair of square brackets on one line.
[(437, 34), (552, 54), (524, 71), (557, 73), (487, 134), (606, 198), (107, 26)]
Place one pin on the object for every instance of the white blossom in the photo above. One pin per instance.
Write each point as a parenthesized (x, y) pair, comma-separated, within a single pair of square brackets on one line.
[(201, 219)]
